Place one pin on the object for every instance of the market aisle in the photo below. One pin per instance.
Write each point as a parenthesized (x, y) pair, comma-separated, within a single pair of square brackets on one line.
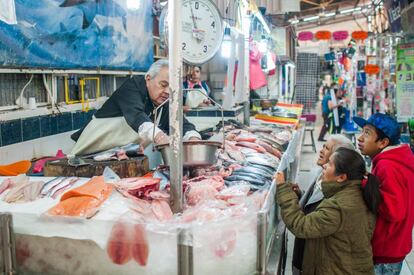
[(307, 165)]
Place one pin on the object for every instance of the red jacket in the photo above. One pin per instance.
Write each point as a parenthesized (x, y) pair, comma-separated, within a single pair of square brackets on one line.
[(392, 239)]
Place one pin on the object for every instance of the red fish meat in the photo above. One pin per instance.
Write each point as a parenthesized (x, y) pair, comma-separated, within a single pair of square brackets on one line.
[(140, 248), (119, 244)]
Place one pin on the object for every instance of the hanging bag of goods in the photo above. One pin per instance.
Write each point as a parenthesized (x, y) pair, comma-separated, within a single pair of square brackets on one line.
[(360, 35), (372, 69), (323, 35), (340, 35), (305, 36)]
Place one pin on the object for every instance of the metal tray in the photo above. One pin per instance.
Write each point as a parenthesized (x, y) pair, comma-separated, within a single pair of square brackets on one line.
[(195, 153)]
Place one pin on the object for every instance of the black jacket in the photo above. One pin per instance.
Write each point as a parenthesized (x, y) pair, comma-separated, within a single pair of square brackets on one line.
[(132, 101)]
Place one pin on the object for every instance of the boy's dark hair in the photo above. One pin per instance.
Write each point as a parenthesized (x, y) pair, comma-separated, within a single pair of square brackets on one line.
[(381, 136)]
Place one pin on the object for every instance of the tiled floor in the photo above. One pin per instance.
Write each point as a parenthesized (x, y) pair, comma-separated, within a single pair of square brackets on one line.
[(307, 164)]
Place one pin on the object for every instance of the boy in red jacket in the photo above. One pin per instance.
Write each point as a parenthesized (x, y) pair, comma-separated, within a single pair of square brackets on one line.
[(393, 164)]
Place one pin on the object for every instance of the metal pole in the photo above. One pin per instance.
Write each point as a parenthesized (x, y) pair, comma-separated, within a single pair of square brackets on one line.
[(246, 31), (176, 104), (261, 242), (8, 249), (185, 252)]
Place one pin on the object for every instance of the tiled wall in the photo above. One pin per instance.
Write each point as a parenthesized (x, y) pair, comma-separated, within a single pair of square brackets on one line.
[(18, 130)]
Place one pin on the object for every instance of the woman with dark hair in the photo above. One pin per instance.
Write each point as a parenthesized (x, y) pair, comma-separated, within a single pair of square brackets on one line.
[(338, 233)]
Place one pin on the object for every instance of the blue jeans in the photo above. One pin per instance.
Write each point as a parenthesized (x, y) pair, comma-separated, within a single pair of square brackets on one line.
[(388, 269)]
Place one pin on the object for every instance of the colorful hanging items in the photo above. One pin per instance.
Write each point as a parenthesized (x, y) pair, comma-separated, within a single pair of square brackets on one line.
[(323, 35), (347, 64), (372, 69), (305, 36), (340, 35), (360, 35)]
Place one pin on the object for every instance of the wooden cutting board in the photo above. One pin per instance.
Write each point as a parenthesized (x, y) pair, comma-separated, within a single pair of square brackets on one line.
[(133, 167)]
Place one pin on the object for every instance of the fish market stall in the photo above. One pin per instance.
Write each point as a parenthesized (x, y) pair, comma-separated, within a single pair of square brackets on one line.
[(230, 222)]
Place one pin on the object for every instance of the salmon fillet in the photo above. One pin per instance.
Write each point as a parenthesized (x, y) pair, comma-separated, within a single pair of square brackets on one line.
[(83, 201)]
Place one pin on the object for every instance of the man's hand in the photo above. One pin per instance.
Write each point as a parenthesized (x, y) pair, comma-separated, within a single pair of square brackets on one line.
[(161, 138), (280, 178), (186, 108)]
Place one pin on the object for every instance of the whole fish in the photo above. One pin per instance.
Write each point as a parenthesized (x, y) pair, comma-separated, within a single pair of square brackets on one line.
[(254, 170), (60, 188), (252, 175), (236, 155), (50, 184), (262, 160), (130, 150), (251, 145), (246, 178), (272, 141), (266, 169)]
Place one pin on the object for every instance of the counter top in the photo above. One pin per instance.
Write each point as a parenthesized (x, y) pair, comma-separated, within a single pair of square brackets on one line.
[(214, 111)]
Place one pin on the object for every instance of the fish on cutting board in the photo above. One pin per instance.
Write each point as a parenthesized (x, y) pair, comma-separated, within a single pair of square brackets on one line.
[(118, 153)]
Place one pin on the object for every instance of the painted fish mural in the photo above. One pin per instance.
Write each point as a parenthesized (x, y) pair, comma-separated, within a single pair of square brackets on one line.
[(89, 34)]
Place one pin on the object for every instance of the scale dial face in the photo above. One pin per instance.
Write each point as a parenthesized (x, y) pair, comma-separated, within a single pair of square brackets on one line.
[(202, 31)]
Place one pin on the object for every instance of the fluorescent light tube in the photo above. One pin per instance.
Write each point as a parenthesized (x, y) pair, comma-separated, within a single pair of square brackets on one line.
[(310, 18)]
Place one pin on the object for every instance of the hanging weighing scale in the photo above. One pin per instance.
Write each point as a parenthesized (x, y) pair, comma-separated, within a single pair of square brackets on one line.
[(202, 30)]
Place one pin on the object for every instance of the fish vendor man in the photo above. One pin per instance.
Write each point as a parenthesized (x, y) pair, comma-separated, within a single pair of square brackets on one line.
[(128, 115)]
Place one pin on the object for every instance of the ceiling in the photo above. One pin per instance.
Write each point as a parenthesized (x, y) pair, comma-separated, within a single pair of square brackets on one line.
[(317, 7)]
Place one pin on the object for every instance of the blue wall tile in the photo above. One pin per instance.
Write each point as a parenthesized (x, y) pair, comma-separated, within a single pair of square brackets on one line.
[(0, 136), (64, 122), (48, 125), (79, 120), (229, 113), (11, 132), (191, 113), (53, 124), (31, 128), (209, 113), (89, 114)]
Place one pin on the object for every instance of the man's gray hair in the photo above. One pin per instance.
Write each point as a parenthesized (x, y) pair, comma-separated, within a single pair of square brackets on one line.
[(341, 141), (156, 67)]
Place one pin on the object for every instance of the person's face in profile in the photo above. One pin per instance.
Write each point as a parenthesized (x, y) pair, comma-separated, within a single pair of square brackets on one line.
[(158, 87)]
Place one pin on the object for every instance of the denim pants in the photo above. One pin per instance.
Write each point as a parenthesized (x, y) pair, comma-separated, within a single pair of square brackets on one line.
[(388, 269)]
